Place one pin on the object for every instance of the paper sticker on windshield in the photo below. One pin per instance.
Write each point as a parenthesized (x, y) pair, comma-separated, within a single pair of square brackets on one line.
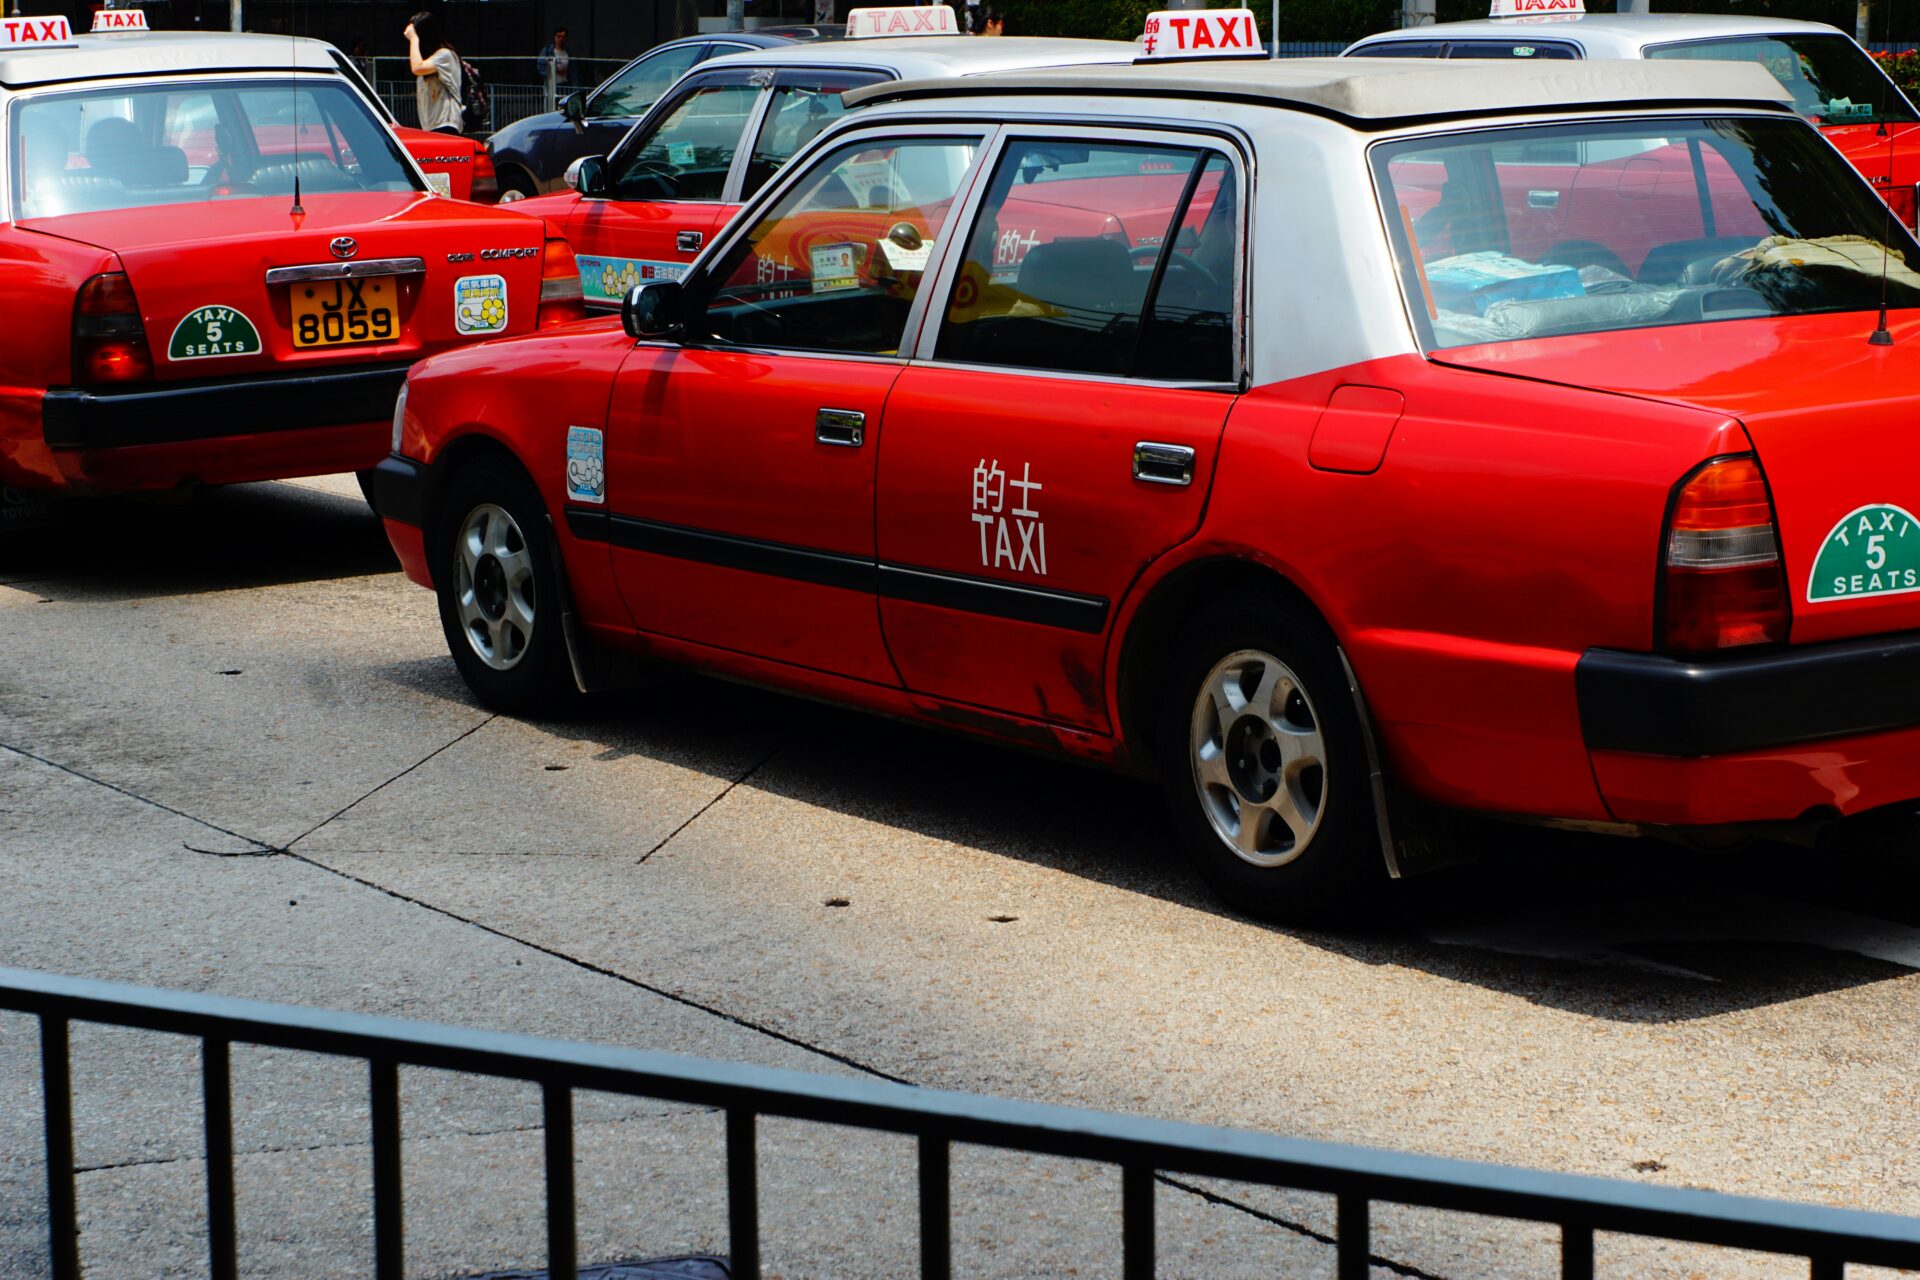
[(208, 332), (441, 184), (1874, 551), (680, 154), (833, 268), (586, 465), (480, 304)]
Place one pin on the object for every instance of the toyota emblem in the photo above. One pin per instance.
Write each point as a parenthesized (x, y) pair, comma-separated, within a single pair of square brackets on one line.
[(344, 246)]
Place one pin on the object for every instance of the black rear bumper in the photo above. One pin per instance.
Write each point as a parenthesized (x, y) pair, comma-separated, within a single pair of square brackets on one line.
[(1715, 706), (212, 408)]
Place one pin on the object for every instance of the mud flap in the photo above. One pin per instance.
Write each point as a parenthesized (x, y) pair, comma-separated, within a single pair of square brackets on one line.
[(596, 669), (1415, 837)]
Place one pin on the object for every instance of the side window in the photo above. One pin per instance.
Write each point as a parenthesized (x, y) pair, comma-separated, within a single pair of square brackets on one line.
[(837, 263), (797, 114), (1402, 49), (1095, 258), (688, 154), (1508, 49), (640, 85)]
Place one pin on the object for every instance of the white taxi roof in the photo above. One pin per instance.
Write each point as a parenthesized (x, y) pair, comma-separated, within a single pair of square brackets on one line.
[(146, 53), (1604, 35), (936, 57), (1383, 89)]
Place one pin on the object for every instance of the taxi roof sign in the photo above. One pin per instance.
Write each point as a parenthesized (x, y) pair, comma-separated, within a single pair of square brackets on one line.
[(1201, 33), (904, 20), (119, 20), (1535, 8), (36, 33)]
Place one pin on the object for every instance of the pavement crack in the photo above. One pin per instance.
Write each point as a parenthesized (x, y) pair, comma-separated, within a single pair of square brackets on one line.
[(337, 814), (263, 848), (725, 791)]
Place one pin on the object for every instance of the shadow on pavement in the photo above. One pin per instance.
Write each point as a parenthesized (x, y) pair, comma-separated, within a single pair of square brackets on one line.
[(225, 539), (1620, 929)]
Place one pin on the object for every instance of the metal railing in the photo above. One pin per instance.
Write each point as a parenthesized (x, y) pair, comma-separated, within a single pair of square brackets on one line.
[(1140, 1148)]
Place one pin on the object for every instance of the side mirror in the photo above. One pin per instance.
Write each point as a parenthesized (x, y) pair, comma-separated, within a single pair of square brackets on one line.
[(655, 309), (573, 108), (588, 175)]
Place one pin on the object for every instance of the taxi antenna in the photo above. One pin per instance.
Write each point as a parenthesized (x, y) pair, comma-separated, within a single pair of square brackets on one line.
[(1880, 336), (293, 74)]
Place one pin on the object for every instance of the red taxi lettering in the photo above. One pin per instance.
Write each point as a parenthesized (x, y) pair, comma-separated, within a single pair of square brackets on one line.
[(1174, 34), (25, 31)]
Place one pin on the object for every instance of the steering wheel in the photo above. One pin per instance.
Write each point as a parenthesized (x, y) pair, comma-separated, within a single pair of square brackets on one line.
[(1195, 278)]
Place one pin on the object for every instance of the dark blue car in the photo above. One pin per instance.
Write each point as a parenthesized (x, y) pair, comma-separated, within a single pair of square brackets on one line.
[(531, 155)]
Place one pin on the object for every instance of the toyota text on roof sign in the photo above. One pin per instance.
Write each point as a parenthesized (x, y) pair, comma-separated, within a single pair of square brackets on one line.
[(1202, 33), (920, 20)]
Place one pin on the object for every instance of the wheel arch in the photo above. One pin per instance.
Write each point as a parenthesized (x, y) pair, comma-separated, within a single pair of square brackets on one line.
[(1155, 621), (470, 446)]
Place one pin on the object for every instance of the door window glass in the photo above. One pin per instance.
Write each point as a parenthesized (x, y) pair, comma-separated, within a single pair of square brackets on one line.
[(638, 87), (1076, 243), (1508, 49), (798, 112), (687, 155), (1401, 49), (836, 264)]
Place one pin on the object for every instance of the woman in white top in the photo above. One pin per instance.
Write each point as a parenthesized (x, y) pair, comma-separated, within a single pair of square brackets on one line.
[(436, 70)]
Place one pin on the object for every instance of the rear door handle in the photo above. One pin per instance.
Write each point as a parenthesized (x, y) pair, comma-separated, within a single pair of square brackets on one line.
[(688, 241), (1162, 463), (840, 426)]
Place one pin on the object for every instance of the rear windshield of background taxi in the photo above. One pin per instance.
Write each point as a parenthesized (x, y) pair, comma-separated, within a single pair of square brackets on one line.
[(184, 142), (1583, 228)]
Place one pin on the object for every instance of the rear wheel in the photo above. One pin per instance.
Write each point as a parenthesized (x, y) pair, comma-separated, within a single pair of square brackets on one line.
[(516, 184), (1265, 769), (500, 598)]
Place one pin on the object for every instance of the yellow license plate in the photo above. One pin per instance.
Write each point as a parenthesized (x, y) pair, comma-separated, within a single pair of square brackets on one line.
[(336, 313)]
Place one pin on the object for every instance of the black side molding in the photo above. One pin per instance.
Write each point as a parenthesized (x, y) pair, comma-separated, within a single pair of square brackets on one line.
[(1714, 706)]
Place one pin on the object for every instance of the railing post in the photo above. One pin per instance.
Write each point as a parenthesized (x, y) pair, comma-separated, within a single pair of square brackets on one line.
[(936, 1209), (562, 1243), (743, 1197), (216, 1079), (1351, 1238), (1576, 1251), (56, 1078), (389, 1232), (1136, 1222)]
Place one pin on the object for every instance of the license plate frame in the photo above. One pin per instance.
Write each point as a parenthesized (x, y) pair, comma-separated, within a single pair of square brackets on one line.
[(348, 311)]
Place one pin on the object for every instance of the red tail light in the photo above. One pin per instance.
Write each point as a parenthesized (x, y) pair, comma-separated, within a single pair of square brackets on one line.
[(109, 342), (560, 297), (486, 183), (1902, 201), (1721, 578)]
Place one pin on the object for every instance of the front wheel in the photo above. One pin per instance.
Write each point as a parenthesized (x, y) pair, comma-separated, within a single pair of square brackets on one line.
[(1266, 771), (500, 598)]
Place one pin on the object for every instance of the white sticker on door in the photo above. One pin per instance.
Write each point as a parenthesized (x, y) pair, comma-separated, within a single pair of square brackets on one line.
[(586, 465), (1013, 538)]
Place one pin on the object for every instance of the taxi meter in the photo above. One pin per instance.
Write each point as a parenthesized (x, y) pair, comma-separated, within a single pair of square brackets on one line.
[(916, 20), (1200, 33)]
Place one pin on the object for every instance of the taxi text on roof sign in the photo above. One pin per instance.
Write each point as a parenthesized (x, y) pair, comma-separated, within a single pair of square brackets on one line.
[(918, 20), (35, 33), (120, 20), (1201, 33), (1534, 8)]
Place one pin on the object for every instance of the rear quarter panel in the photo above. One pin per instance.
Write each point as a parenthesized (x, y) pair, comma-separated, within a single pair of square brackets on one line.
[(39, 277)]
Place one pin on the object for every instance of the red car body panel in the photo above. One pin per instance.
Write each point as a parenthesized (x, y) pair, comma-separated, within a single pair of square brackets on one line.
[(458, 158), (179, 259)]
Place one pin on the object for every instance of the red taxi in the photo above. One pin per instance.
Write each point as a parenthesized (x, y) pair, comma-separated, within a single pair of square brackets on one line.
[(456, 166), (1225, 422), (712, 141), (231, 266)]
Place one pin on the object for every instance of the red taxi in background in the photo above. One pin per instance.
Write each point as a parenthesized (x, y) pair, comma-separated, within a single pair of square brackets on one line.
[(1227, 422), (229, 268), (728, 126), (456, 166)]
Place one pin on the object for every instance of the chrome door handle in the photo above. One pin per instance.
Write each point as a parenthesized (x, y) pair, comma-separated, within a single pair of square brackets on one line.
[(688, 241), (1543, 199), (840, 426), (1162, 463)]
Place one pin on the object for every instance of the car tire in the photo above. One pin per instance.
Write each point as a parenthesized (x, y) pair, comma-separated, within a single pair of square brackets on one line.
[(519, 182), (1265, 768), (501, 597)]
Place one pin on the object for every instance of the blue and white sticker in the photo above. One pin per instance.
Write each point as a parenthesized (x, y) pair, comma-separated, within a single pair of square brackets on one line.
[(586, 465), (479, 304)]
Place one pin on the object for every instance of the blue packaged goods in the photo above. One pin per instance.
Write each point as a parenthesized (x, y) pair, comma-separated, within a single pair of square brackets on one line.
[(1472, 282)]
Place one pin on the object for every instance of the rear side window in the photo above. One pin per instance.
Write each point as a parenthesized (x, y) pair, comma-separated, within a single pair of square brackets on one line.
[(1106, 259), (1401, 49), (796, 115), (688, 154), (640, 85), (1509, 49)]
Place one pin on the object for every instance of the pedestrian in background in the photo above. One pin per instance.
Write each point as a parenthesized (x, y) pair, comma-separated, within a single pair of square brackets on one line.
[(436, 70), (989, 21), (556, 62), (361, 58)]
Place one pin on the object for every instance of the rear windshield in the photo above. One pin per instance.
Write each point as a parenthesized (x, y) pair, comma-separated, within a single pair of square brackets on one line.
[(1582, 228), (1831, 78), (184, 142)]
